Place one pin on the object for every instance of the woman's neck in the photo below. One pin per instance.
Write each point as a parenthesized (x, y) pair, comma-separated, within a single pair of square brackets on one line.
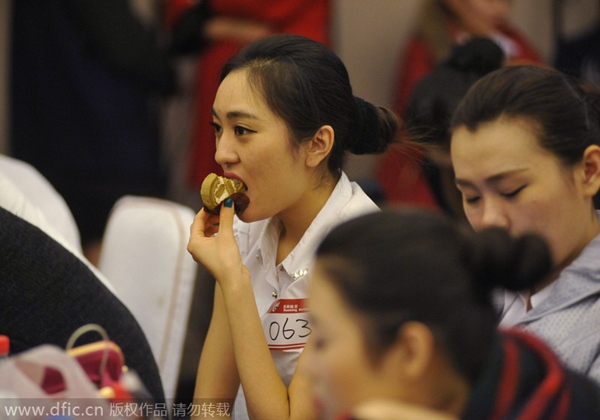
[(456, 397), (446, 390), (297, 219), (589, 233)]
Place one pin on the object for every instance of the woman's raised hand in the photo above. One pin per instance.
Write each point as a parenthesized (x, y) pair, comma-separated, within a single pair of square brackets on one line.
[(213, 244)]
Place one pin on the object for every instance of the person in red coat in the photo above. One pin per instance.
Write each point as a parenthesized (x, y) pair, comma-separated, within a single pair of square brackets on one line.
[(218, 29), (443, 24)]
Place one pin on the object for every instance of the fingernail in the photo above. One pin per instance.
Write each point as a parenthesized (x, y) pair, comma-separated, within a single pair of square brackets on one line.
[(228, 202)]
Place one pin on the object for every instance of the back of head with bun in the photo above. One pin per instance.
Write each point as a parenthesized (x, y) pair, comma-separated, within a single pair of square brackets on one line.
[(308, 86), (375, 128), (498, 260), (401, 265), (437, 95)]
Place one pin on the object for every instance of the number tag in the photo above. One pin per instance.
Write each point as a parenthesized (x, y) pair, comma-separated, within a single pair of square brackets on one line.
[(286, 324)]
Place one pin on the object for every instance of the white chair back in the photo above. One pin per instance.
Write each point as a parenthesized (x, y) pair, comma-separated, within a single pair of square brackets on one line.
[(145, 258), (40, 193)]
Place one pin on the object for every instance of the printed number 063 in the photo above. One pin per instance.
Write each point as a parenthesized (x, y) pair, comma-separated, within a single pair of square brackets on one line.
[(288, 333)]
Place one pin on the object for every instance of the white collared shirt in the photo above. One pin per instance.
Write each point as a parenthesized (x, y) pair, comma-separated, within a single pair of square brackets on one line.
[(515, 304), (281, 290)]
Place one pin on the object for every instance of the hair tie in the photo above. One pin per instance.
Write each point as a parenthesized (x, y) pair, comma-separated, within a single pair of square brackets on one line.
[(367, 127)]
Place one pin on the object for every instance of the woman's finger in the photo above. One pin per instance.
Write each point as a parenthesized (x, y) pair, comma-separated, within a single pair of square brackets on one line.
[(204, 224), (226, 216)]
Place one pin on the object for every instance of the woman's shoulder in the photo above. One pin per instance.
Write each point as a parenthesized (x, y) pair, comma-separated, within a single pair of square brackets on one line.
[(359, 203), (586, 264), (523, 52), (348, 200)]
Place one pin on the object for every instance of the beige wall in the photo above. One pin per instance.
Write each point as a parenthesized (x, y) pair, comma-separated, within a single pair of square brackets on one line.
[(369, 34)]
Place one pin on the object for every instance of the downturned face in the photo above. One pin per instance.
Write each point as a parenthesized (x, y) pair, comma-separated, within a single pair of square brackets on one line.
[(342, 374), (508, 180)]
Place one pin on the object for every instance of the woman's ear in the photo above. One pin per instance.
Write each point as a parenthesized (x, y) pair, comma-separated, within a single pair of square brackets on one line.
[(591, 170), (320, 146), (414, 350)]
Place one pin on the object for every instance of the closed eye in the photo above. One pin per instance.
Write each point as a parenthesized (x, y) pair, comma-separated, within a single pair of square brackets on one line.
[(471, 200), (469, 195), (514, 193)]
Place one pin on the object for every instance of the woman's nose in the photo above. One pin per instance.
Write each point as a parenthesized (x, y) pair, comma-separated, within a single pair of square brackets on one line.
[(225, 153), (494, 215)]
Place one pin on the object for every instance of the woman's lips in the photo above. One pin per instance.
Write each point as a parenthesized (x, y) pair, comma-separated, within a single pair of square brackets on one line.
[(234, 176)]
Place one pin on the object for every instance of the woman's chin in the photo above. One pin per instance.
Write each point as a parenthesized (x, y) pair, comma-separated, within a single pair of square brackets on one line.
[(246, 217)]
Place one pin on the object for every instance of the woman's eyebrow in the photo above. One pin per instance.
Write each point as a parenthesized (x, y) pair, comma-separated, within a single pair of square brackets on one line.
[(494, 179), (237, 114)]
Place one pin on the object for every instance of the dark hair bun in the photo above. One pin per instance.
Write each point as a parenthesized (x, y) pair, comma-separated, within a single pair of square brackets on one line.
[(375, 128), (436, 96), (479, 54), (497, 259)]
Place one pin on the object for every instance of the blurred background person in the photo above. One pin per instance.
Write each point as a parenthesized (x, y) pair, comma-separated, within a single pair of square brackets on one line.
[(430, 108), (445, 23), (441, 25), (579, 56), (85, 80)]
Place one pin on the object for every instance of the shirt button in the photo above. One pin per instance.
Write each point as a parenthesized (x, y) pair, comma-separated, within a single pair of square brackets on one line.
[(274, 294)]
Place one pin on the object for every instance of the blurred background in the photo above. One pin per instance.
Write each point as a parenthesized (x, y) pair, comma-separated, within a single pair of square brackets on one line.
[(368, 35)]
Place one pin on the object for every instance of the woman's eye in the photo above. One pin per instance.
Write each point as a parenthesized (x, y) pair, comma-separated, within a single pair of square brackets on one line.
[(514, 193), (240, 131), (216, 127), (469, 195)]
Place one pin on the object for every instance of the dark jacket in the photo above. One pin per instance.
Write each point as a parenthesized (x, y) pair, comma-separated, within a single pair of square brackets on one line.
[(524, 380), (47, 293)]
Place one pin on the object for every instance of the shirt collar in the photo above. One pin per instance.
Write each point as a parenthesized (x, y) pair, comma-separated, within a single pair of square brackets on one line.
[(577, 281), (295, 264)]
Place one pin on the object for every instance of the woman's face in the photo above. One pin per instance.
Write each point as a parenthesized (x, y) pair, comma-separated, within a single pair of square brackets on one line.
[(253, 145), (507, 179), (336, 358), (494, 11), (491, 14)]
